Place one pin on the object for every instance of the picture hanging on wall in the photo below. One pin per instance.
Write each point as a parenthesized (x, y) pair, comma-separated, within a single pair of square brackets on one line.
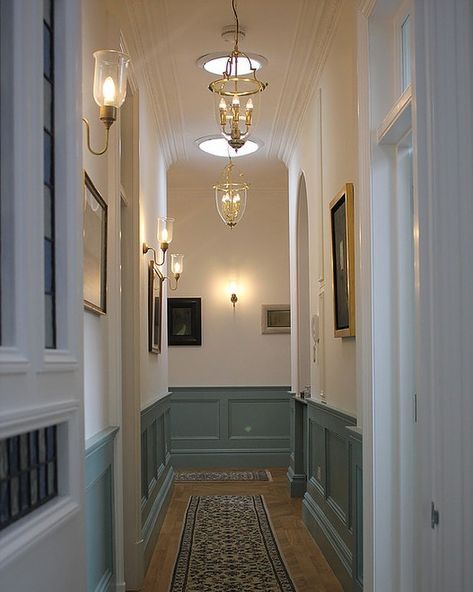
[(155, 306), (184, 321), (275, 318), (95, 248), (343, 261)]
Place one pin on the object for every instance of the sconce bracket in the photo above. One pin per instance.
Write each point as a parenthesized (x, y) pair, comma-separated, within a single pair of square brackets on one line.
[(108, 114), (234, 299)]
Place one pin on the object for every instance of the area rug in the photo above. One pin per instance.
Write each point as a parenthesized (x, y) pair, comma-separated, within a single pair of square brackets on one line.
[(227, 545), (186, 476)]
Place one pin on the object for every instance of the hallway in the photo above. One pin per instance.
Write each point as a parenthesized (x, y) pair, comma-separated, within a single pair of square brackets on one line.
[(306, 564)]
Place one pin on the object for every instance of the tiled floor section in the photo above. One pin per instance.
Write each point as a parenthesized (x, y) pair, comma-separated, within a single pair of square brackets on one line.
[(307, 566)]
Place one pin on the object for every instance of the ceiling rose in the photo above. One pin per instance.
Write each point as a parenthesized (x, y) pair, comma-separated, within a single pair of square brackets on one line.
[(218, 146), (216, 63)]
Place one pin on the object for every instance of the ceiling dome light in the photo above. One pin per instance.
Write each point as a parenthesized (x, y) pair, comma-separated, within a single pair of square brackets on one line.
[(218, 146), (216, 63)]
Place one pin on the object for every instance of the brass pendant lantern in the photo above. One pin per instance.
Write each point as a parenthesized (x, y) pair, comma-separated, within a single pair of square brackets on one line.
[(236, 94), (231, 196)]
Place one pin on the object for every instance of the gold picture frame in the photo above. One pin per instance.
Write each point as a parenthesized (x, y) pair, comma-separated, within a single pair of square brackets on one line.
[(155, 308), (342, 223), (275, 318)]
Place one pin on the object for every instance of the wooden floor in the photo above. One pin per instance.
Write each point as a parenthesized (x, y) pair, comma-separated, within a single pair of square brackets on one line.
[(307, 566)]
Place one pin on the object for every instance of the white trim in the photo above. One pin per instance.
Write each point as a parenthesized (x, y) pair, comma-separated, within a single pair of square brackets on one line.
[(32, 529), (17, 421), (398, 122)]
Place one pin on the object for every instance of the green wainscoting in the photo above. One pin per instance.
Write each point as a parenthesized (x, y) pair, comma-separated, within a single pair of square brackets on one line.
[(327, 451), (230, 426), (156, 470), (99, 510)]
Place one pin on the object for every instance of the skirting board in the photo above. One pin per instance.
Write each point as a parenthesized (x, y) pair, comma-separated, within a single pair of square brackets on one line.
[(156, 518), (297, 483), (331, 545), (229, 458)]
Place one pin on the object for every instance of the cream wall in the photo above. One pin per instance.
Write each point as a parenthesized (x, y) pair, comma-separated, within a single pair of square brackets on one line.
[(255, 254), (325, 153)]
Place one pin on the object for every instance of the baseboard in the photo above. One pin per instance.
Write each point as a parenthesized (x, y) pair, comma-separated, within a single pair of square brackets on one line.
[(104, 583), (332, 546), (229, 458), (155, 519), (297, 483)]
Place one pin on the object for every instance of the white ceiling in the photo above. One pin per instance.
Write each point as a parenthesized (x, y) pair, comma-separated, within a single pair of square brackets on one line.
[(168, 36)]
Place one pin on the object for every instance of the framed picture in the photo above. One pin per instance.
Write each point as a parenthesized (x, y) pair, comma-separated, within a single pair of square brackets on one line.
[(275, 318), (155, 307), (343, 261), (95, 248), (184, 321)]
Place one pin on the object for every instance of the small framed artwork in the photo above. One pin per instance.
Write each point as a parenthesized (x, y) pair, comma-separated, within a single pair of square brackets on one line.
[(95, 248), (275, 318), (343, 261), (155, 307), (184, 321)]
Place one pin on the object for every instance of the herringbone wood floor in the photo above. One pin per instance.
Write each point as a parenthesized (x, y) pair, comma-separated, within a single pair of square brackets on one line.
[(307, 566)]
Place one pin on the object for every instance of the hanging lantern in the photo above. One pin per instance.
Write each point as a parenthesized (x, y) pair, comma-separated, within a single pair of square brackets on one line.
[(231, 196)]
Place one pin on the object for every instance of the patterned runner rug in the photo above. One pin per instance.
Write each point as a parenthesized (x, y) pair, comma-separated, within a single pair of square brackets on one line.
[(227, 545), (222, 476)]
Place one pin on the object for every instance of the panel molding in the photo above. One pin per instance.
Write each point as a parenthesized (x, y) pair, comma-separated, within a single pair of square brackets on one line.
[(233, 447)]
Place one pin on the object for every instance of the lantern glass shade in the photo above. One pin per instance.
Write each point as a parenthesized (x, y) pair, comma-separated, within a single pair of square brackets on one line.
[(110, 77), (230, 199), (177, 263), (165, 230)]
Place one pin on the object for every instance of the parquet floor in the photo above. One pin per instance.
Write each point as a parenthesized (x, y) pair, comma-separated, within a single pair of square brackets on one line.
[(307, 566)]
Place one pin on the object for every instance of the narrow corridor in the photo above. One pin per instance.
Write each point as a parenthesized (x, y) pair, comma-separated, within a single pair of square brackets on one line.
[(306, 564)]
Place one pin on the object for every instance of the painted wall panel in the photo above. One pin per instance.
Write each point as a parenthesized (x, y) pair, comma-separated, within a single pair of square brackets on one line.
[(254, 426), (199, 419)]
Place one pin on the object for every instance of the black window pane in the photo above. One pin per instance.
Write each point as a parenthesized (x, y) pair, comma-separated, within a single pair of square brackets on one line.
[(28, 473), (48, 105), (47, 47), (48, 158), (49, 321), (48, 266)]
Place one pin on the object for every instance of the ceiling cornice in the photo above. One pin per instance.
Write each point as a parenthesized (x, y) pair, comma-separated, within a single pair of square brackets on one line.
[(317, 24), (158, 74)]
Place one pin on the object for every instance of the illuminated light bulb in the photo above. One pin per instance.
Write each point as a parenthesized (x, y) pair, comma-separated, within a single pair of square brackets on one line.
[(235, 101), (109, 92), (222, 105), (226, 198), (177, 268), (164, 235), (236, 199), (249, 105)]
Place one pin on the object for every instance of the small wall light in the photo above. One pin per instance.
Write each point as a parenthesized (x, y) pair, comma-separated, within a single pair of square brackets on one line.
[(232, 290), (109, 89), (164, 235)]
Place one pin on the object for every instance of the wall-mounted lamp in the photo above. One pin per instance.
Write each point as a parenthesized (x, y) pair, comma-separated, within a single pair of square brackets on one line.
[(234, 299), (164, 235), (232, 290), (109, 89)]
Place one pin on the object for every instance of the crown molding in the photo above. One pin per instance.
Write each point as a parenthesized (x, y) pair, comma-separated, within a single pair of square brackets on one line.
[(145, 29), (317, 24), (366, 7), (206, 192)]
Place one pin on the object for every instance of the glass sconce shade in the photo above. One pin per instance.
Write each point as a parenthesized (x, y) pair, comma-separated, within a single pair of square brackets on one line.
[(165, 229), (110, 77), (177, 264)]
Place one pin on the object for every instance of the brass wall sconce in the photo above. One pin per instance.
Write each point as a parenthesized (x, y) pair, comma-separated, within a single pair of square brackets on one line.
[(233, 299), (109, 90), (165, 235)]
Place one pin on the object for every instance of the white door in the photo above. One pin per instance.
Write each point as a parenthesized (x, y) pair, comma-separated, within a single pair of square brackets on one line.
[(41, 416)]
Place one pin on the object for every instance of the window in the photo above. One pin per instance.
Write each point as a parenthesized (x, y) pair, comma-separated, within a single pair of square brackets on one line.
[(406, 75), (48, 135)]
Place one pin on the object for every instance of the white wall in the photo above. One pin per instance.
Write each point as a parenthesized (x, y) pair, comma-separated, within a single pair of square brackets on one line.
[(326, 153), (255, 254)]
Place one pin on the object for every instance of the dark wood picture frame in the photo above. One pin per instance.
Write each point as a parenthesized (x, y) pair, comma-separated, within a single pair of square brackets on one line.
[(95, 248), (155, 308), (184, 321), (343, 261)]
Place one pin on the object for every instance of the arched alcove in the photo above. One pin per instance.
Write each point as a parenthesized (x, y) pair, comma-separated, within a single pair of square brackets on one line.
[(303, 287)]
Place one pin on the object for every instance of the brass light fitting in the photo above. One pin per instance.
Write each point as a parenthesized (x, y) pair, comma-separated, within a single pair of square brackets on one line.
[(230, 196), (164, 236), (235, 120), (109, 90)]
